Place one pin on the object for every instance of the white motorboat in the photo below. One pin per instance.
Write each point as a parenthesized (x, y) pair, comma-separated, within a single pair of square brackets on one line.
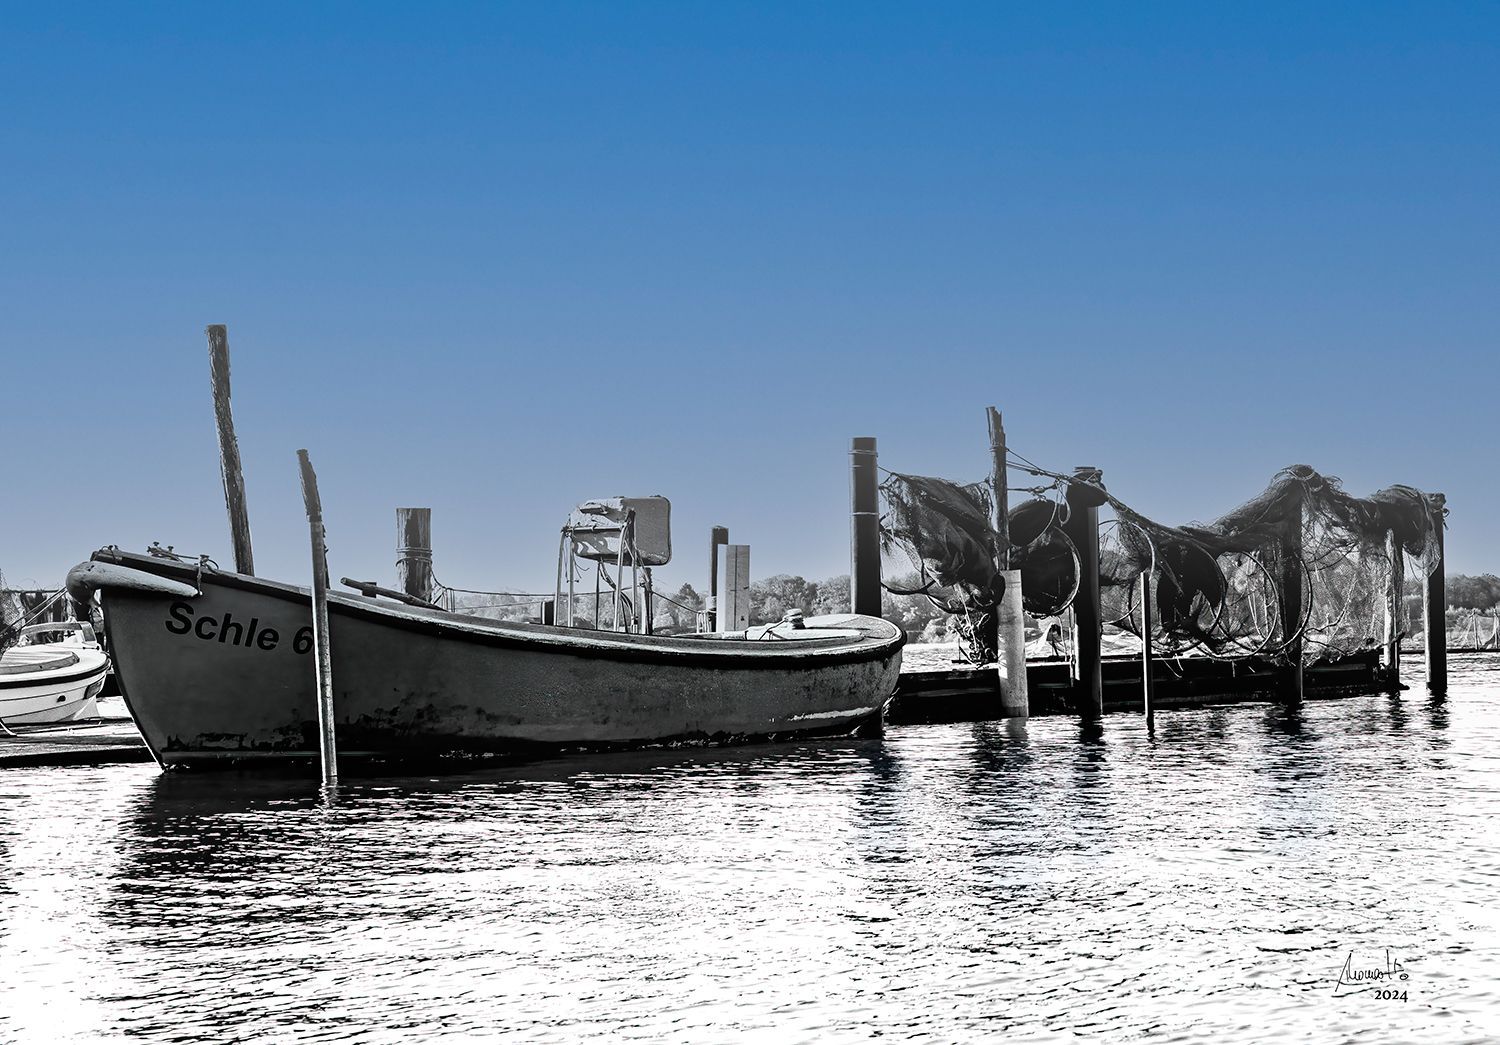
[(52, 681)]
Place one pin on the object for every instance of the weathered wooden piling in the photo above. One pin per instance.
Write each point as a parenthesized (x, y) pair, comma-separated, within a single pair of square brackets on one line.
[(1010, 616), (719, 535), (322, 653), (229, 450), (1395, 608), (864, 565), (1293, 613), (1435, 605), (1148, 669), (414, 552), (1082, 528)]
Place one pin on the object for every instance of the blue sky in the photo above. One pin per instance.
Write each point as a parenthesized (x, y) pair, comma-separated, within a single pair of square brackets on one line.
[(498, 259)]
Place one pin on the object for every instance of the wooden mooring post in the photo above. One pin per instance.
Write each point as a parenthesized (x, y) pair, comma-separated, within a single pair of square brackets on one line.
[(864, 545), (1395, 609), (1293, 612), (1434, 607), (1010, 616), (322, 653), (1148, 669), (1083, 529), (414, 552), (229, 450)]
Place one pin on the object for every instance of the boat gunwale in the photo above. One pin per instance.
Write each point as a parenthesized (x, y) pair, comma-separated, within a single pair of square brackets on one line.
[(724, 654)]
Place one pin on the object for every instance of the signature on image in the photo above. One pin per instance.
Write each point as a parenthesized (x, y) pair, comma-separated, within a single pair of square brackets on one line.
[(1386, 981)]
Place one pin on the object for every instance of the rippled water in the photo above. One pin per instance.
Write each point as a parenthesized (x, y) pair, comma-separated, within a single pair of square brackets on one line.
[(943, 883)]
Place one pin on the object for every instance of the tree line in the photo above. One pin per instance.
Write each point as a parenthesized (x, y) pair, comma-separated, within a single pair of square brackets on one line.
[(1464, 592), (774, 597)]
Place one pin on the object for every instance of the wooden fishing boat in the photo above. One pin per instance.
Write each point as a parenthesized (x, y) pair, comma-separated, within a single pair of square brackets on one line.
[(48, 682), (217, 669)]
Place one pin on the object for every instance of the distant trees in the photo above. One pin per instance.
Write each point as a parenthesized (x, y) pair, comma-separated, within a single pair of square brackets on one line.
[(1474, 593), (673, 617), (772, 598)]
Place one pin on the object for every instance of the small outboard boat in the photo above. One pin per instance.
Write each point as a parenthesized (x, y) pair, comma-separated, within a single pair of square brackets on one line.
[(52, 681)]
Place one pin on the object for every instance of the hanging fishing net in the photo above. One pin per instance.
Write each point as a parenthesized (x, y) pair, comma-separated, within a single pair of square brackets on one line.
[(936, 541), (12, 615), (1301, 566)]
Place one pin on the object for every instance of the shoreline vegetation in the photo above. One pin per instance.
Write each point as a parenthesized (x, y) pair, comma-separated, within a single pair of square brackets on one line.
[(1473, 611)]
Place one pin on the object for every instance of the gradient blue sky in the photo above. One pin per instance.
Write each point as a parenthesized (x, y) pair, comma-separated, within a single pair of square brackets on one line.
[(497, 259)]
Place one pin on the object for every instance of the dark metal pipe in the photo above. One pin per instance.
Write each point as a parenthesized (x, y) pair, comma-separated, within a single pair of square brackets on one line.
[(864, 545)]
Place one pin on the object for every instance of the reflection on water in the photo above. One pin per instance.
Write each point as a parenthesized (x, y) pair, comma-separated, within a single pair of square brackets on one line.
[(941, 883)]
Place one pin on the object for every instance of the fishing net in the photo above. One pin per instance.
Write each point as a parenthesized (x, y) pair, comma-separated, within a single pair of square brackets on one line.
[(11, 617), (1302, 566), (936, 541)]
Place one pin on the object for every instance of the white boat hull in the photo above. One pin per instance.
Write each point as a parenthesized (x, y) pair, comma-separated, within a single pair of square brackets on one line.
[(58, 694)]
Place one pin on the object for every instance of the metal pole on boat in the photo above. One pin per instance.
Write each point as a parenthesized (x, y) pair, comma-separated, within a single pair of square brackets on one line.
[(572, 595), (564, 562), (1083, 529), (1009, 635), (864, 545), (229, 449), (414, 552), (648, 594), (1434, 603), (717, 536), (322, 654), (628, 547)]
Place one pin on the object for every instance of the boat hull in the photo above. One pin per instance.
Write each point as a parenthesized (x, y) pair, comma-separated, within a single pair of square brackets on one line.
[(227, 677), (66, 694)]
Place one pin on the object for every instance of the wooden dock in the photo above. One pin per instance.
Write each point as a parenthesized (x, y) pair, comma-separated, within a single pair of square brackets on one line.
[(94, 743), (969, 694)]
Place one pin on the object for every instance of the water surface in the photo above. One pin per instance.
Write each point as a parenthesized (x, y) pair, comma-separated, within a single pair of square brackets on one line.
[(941, 883)]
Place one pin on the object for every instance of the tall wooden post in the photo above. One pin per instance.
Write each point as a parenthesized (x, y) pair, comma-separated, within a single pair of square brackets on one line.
[(1148, 669), (1009, 636), (1083, 529), (1293, 612), (717, 536), (864, 545), (999, 489), (322, 654), (1435, 605), (229, 450), (1395, 607), (414, 551)]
